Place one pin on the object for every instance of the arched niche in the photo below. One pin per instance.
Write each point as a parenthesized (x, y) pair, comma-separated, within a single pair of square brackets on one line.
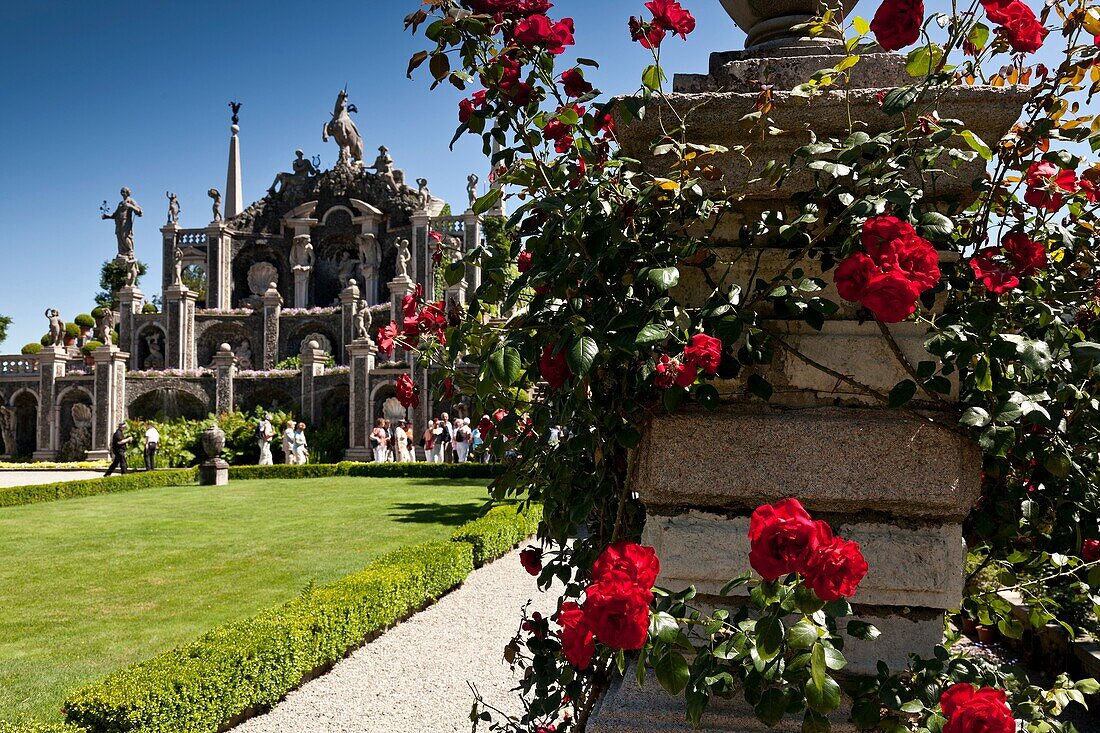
[(169, 403), (25, 404), (75, 415), (151, 343)]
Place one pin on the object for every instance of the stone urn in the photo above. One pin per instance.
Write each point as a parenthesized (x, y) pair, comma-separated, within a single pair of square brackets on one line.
[(771, 21), (213, 442)]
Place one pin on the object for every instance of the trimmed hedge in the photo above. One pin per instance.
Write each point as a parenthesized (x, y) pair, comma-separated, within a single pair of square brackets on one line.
[(36, 727), (370, 470), (501, 529), (19, 495), (251, 664)]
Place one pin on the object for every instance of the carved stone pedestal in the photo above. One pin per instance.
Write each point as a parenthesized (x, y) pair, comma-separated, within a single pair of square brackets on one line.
[(110, 399), (214, 472)]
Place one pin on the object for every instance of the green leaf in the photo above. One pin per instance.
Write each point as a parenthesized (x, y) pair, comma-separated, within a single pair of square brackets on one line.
[(902, 393), (924, 60), (979, 35), (513, 367), (652, 77), (1086, 351), (487, 201), (976, 144), (760, 387), (975, 417), (823, 698), (899, 100), (707, 396), (861, 25), (651, 333), (997, 440), (1011, 627), (581, 355), (769, 636), (802, 635), (983, 375), (912, 706), (672, 672), (935, 225), (673, 398), (664, 627), (1088, 686), (818, 668), (772, 707), (862, 630), (815, 723), (664, 278)]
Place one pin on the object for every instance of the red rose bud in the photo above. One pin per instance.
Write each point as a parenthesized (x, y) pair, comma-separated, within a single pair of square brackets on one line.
[(574, 83), (1090, 550), (1047, 185), (968, 710), (531, 560), (576, 637), (897, 23), (993, 275), (1027, 256), (617, 612), (634, 562)]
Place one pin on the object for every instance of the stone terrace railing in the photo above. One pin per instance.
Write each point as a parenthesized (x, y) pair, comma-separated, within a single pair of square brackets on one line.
[(18, 366), (191, 238)]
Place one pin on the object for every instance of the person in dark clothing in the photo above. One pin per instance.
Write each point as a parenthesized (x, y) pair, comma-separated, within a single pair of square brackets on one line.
[(119, 441)]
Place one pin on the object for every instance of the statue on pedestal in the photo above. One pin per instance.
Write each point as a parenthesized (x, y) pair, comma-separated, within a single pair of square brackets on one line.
[(177, 266), (301, 254), (243, 354), (57, 327), (155, 360), (423, 192), (362, 320), (173, 208), (7, 429), (133, 270), (471, 188), (404, 257), (105, 326), (216, 195), (123, 217), (303, 169), (346, 267), (343, 130)]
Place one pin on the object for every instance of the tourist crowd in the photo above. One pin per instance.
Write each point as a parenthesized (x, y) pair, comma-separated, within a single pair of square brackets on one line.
[(443, 441)]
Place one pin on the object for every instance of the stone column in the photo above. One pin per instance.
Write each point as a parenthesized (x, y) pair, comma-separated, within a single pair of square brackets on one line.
[(456, 293), (898, 484), (225, 371), (313, 366), (169, 239), (53, 362), (399, 288), (420, 269), (130, 301), (361, 355), (349, 308), (110, 399), (471, 236), (301, 286), (179, 316), (272, 307), (219, 267)]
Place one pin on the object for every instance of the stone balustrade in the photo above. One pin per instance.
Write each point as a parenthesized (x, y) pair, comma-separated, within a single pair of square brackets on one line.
[(18, 366), (191, 238)]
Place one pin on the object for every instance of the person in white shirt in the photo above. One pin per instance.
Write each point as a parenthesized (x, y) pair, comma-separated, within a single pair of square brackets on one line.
[(463, 436), (264, 433), (152, 442), (288, 444), (301, 445), (437, 443), (401, 438)]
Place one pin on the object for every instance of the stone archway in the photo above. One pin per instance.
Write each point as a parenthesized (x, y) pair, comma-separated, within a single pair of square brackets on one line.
[(151, 342), (168, 403), (25, 405), (225, 332), (74, 423)]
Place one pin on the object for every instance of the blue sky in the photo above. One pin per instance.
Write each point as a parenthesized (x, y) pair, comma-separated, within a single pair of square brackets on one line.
[(101, 95)]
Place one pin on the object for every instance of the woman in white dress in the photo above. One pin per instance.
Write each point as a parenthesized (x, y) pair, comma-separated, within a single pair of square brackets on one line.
[(301, 447), (401, 452), (288, 444), (437, 446)]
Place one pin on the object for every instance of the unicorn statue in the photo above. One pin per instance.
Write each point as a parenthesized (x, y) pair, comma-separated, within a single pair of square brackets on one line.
[(343, 130)]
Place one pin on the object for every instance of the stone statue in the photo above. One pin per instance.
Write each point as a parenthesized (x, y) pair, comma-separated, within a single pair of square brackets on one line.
[(423, 192), (155, 360), (57, 327), (346, 267), (260, 277), (369, 255), (471, 188), (353, 288), (216, 195), (303, 169), (404, 257), (7, 429), (133, 270), (123, 217), (383, 164), (301, 254), (243, 353), (343, 130), (399, 180), (177, 263), (105, 327), (173, 208), (236, 107), (362, 320)]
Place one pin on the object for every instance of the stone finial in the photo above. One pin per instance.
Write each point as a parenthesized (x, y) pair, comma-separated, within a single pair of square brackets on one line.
[(772, 23)]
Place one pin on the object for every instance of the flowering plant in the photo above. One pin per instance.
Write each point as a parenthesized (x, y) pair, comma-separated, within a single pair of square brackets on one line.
[(622, 310)]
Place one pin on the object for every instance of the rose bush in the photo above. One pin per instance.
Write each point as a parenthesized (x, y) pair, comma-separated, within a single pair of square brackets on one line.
[(1004, 283)]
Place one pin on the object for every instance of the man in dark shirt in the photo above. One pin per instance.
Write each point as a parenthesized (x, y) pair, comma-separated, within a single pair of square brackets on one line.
[(119, 441)]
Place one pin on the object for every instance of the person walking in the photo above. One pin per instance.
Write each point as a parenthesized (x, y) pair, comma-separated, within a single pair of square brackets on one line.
[(437, 442), (288, 444), (264, 434), (119, 441), (427, 441), (463, 438), (412, 443), (378, 440), (152, 442), (448, 438), (401, 443), (301, 446)]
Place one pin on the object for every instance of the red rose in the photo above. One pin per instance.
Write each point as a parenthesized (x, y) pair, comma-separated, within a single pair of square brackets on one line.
[(635, 562), (853, 275), (881, 230), (781, 535), (406, 392), (531, 560), (1090, 550), (485, 427), (576, 637), (670, 371), (448, 388), (993, 275), (976, 711), (467, 106), (704, 352), (1026, 255), (1047, 185), (834, 569), (538, 30), (574, 83), (997, 10), (649, 35), (553, 367), (617, 611), (891, 297), (386, 335), (524, 262), (897, 23), (915, 257), (1021, 28), (669, 15)]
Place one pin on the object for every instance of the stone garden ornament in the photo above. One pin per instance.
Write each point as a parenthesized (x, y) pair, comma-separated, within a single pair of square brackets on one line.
[(423, 192), (123, 216), (177, 266), (57, 327), (773, 22), (302, 170), (7, 429), (471, 188), (404, 257), (260, 276), (362, 320), (216, 196), (173, 208), (342, 129), (105, 326)]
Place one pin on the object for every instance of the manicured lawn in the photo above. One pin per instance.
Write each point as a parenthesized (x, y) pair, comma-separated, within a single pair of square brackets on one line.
[(91, 585)]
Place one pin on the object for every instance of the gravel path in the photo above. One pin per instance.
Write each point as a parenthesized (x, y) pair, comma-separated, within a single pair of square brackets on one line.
[(413, 679), (27, 478)]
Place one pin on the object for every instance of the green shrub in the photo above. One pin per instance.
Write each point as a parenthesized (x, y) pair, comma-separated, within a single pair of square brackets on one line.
[(249, 664), (84, 321), (149, 308), (369, 470), (181, 439), (501, 529), (32, 726), (89, 347), (312, 470), (19, 495), (31, 349), (72, 330)]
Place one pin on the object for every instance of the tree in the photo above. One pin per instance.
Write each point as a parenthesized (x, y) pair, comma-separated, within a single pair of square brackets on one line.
[(5, 321), (112, 278)]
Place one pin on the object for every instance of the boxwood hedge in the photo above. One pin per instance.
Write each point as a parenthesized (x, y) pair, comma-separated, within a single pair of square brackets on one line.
[(18, 495), (501, 529), (371, 470)]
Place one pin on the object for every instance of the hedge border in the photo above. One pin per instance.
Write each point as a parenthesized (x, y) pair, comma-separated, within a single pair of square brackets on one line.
[(238, 670), (38, 493), (370, 470)]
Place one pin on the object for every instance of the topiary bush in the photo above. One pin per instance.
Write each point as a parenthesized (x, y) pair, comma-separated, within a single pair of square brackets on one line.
[(501, 529), (19, 495), (84, 321), (368, 470), (31, 349), (149, 308), (89, 347)]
